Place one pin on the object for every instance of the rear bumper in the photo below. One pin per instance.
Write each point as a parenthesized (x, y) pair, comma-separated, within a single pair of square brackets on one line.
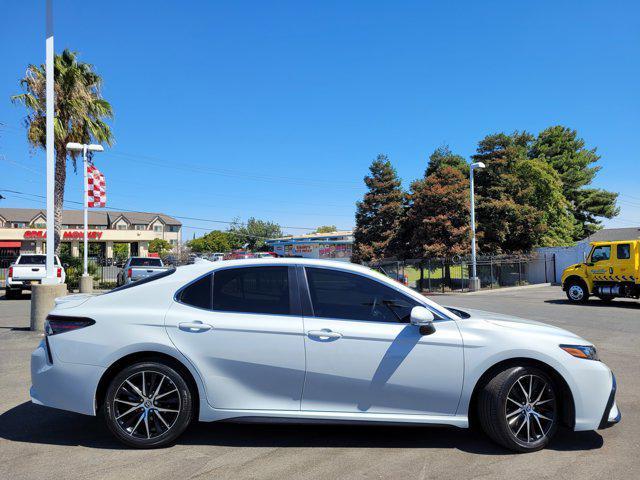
[(21, 284), (612, 414), (67, 386)]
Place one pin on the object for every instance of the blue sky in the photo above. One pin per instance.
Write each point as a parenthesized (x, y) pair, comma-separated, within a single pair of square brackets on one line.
[(276, 109)]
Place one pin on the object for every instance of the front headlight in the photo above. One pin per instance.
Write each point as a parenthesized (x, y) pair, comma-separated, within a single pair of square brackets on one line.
[(587, 352)]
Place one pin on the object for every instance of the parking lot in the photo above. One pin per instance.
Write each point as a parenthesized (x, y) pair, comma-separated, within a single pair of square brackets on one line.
[(36, 442)]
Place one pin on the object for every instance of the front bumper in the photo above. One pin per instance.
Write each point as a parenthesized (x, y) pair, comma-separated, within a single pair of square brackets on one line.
[(63, 385), (612, 414)]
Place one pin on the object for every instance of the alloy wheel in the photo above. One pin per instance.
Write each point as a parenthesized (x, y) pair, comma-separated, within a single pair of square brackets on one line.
[(147, 404), (530, 409)]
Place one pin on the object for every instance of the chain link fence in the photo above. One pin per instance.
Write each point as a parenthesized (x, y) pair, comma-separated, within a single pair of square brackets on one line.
[(452, 274)]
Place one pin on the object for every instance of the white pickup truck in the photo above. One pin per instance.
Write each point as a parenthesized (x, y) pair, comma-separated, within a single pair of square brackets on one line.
[(137, 268), (29, 270)]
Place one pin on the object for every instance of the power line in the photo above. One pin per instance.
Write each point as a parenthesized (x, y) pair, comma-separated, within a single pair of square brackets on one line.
[(227, 222)]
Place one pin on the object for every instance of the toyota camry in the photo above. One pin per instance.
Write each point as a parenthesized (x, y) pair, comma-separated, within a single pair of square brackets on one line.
[(310, 340)]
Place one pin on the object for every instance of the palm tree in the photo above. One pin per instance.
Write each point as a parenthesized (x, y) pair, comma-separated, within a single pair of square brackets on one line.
[(79, 110)]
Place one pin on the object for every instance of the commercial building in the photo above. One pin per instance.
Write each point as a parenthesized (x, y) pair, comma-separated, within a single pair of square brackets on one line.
[(22, 230), (328, 246)]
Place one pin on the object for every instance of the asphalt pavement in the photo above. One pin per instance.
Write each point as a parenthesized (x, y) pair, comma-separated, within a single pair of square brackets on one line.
[(37, 442)]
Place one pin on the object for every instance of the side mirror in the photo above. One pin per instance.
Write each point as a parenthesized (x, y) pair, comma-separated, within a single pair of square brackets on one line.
[(423, 318)]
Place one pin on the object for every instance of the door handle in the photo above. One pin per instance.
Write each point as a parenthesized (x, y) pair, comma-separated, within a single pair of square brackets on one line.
[(324, 333), (196, 326)]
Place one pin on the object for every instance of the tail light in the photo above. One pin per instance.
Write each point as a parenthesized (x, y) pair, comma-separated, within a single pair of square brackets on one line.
[(59, 272), (56, 324), (129, 272), (10, 272)]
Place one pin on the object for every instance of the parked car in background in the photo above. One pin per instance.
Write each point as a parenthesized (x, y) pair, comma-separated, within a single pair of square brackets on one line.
[(311, 340), (137, 268), (29, 270), (265, 255), (611, 270)]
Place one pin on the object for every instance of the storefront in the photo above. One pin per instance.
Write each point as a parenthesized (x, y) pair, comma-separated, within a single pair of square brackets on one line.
[(22, 230), (326, 246)]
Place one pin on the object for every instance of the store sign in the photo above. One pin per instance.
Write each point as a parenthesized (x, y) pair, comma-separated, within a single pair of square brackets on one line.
[(68, 234)]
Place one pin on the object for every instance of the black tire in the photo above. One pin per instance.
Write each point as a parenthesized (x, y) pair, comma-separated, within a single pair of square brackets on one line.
[(120, 398), (577, 291), (12, 293), (499, 418)]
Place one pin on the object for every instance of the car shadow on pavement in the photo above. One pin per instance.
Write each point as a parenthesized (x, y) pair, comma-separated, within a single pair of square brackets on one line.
[(31, 423), (627, 303)]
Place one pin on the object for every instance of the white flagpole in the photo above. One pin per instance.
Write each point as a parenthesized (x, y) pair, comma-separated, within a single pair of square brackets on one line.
[(86, 215), (50, 182)]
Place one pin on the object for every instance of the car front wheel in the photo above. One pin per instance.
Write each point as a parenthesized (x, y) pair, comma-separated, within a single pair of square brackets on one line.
[(518, 409), (148, 405)]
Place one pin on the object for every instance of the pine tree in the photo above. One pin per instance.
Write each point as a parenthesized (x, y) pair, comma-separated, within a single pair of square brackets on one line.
[(437, 220), (379, 213), (561, 148), (443, 156)]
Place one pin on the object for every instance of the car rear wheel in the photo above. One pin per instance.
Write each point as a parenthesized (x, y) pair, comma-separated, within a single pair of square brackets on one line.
[(577, 292), (148, 405), (518, 409)]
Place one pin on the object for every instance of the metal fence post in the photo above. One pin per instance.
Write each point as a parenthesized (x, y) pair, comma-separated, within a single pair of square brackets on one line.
[(519, 260), (491, 268)]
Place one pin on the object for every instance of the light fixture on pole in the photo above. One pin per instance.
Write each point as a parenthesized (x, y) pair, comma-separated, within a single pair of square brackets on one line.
[(474, 281), (79, 147)]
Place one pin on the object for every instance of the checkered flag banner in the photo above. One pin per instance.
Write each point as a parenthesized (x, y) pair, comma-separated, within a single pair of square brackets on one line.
[(97, 188)]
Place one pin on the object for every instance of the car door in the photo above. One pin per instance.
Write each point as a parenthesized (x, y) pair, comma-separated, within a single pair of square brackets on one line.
[(600, 265), (364, 356), (624, 263), (241, 328)]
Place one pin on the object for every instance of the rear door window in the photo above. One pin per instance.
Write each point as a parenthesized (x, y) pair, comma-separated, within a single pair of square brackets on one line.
[(623, 251), (252, 290)]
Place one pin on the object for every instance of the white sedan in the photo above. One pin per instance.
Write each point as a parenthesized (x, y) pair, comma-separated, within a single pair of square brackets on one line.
[(311, 340)]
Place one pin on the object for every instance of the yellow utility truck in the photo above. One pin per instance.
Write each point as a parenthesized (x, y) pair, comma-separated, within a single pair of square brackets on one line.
[(612, 269)]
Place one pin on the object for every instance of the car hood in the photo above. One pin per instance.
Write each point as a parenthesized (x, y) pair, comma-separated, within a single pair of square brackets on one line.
[(523, 325)]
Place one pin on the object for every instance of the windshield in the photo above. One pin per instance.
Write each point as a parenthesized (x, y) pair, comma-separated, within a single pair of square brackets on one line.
[(145, 262)]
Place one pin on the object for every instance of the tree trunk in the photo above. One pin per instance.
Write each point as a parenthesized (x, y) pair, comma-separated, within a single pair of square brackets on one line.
[(58, 193)]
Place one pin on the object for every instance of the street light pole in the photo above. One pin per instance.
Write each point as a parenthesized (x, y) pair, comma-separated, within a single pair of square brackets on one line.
[(474, 281)]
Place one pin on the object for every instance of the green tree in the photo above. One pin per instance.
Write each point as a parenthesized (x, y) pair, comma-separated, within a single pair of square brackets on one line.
[(437, 218), (326, 229), (520, 202), (160, 246), (504, 224), (443, 156), (378, 215), (120, 251), (561, 148), (80, 112), (214, 241), (254, 233)]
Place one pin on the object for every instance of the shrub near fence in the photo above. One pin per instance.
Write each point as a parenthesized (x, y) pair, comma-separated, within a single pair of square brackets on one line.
[(452, 274)]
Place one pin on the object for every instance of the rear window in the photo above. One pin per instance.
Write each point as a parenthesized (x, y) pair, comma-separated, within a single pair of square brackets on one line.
[(252, 290), (145, 262), (33, 260)]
